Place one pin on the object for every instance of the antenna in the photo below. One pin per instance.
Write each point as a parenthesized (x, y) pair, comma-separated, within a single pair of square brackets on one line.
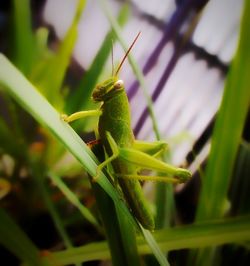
[(126, 54), (112, 57)]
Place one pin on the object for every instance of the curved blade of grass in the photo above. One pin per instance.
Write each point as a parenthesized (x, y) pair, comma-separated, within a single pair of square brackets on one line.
[(218, 232), (14, 239), (210, 233), (33, 102)]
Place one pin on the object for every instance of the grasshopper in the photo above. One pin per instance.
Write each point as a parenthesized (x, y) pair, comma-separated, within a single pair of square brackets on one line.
[(126, 154)]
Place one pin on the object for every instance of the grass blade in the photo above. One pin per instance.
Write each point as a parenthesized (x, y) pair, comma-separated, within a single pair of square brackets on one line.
[(123, 246), (159, 255), (228, 129), (58, 64), (14, 239), (240, 187), (226, 137), (25, 46), (217, 232), (73, 198)]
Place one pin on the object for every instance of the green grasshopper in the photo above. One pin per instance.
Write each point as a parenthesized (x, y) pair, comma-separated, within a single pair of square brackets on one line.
[(126, 154)]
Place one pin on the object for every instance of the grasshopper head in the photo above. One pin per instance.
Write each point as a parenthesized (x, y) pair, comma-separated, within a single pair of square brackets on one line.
[(110, 87), (107, 89)]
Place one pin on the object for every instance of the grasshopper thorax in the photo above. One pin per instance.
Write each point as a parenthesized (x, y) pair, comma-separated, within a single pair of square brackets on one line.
[(107, 89)]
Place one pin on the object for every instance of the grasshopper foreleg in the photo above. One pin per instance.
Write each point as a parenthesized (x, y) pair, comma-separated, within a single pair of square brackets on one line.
[(115, 154), (81, 114)]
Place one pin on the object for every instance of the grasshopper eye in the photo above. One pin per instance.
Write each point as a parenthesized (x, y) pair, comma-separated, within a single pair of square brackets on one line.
[(119, 84)]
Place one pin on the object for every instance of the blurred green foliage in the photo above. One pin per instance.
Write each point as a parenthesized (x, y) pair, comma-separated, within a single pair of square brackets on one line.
[(29, 154)]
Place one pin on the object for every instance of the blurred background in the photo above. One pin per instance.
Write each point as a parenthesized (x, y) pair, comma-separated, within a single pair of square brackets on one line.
[(184, 52)]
